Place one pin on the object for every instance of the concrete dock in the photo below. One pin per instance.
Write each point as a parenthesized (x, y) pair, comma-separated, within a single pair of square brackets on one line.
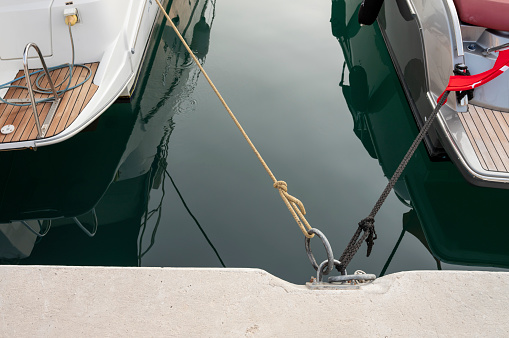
[(103, 301)]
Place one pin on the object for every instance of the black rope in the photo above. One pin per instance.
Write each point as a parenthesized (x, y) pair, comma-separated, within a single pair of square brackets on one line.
[(195, 220), (367, 225)]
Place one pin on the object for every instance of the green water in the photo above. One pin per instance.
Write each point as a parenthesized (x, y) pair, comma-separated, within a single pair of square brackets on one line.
[(174, 183)]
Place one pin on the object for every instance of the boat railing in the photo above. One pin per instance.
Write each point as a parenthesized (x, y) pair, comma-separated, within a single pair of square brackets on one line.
[(42, 232), (487, 51), (41, 130)]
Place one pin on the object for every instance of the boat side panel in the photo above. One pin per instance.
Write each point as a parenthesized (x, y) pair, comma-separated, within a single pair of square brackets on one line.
[(22, 22), (438, 21), (402, 34), (139, 39)]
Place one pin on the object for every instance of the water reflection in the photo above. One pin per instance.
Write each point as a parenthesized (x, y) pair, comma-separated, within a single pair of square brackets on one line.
[(456, 222)]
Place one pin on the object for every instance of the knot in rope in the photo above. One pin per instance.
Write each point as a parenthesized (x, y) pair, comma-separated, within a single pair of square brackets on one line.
[(295, 206), (283, 189), (368, 226), (281, 185)]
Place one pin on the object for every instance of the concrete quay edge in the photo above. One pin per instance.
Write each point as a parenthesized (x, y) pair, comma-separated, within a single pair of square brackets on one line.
[(209, 302)]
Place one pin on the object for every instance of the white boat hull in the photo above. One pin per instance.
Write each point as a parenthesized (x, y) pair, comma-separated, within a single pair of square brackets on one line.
[(112, 32)]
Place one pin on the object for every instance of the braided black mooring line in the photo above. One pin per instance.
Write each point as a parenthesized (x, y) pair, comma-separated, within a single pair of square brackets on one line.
[(367, 225)]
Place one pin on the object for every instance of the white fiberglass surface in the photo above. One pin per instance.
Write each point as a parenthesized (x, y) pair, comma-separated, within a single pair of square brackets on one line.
[(22, 22)]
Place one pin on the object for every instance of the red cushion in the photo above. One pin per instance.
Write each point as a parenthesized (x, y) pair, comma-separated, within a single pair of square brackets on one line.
[(492, 14)]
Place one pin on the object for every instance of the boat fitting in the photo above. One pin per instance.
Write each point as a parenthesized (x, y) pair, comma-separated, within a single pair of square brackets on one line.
[(71, 16)]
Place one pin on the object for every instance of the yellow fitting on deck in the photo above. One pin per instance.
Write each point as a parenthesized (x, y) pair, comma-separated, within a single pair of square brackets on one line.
[(71, 20)]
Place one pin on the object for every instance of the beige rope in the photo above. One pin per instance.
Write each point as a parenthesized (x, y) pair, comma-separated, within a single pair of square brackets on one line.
[(294, 205)]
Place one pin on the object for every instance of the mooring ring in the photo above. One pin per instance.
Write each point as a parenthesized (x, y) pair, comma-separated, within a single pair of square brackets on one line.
[(328, 249), (365, 277), (322, 269)]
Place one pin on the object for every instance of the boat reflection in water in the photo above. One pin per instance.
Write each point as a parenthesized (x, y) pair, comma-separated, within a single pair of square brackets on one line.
[(458, 223), (101, 179)]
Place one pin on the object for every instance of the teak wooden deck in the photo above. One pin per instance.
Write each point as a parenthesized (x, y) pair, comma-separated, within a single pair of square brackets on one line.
[(71, 104), (488, 131)]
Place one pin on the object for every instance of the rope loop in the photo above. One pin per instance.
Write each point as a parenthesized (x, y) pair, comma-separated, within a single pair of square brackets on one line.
[(296, 208), (283, 188)]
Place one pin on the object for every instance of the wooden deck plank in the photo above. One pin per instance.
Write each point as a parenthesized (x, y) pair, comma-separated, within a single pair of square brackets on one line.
[(17, 135), (61, 108), (79, 101), (65, 106), (9, 94), (12, 93), (474, 144), (501, 130), (61, 84), (488, 132), (499, 116), (29, 115), (62, 78), (28, 122), (487, 140), (477, 139), (505, 116), (32, 132), (83, 99), (90, 94), (493, 134), (71, 105), (93, 88), (16, 110)]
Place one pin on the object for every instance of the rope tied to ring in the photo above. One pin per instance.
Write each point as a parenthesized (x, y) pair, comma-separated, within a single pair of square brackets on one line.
[(367, 225), (366, 228)]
